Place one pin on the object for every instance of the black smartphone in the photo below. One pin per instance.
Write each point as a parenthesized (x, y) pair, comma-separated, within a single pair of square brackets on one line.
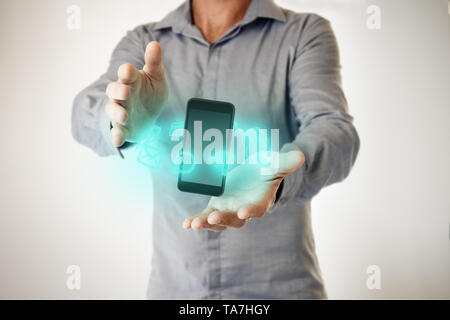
[(203, 167)]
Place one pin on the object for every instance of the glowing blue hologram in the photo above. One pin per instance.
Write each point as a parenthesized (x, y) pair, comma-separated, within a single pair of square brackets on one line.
[(174, 126), (149, 154), (242, 145), (152, 136), (265, 158), (154, 133), (187, 168)]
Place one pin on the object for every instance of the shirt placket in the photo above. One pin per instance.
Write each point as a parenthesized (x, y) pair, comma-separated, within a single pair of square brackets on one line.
[(209, 82), (209, 91)]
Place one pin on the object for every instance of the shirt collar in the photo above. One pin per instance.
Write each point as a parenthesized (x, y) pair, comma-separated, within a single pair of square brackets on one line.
[(181, 17), (263, 9)]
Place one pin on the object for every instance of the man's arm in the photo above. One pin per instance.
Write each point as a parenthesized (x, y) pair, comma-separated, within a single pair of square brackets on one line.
[(322, 152), (326, 135), (90, 124)]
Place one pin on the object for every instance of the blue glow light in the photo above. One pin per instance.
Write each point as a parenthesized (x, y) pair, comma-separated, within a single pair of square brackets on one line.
[(149, 153), (153, 148)]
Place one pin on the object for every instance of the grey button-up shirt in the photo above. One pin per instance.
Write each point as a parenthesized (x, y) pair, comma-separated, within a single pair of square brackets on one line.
[(281, 70)]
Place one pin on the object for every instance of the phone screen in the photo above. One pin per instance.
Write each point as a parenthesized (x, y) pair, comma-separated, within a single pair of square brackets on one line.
[(203, 169)]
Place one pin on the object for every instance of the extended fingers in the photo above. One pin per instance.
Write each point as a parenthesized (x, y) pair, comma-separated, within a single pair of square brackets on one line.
[(118, 134), (226, 219), (118, 91), (118, 116), (116, 112), (200, 221), (251, 211), (219, 220), (187, 224), (127, 74)]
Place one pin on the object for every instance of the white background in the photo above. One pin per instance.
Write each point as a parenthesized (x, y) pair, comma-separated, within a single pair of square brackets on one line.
[(60, 204)]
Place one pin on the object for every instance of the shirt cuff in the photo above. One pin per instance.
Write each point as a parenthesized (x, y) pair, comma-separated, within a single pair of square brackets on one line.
[(292, 183), (291, 186)]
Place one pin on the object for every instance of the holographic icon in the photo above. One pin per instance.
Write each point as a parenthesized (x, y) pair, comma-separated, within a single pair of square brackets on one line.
[(149, 153)]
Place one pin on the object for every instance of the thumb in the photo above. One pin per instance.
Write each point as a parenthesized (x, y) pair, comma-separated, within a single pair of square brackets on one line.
[(153, 61)]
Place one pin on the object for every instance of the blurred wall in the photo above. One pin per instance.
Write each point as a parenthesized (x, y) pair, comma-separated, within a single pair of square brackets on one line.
[(61, 205)]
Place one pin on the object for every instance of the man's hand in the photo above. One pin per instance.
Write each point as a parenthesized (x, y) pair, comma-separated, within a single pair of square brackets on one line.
[(137, 97), (248, 194)]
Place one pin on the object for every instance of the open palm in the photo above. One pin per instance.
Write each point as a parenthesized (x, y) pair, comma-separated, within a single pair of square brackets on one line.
[(248, 194)]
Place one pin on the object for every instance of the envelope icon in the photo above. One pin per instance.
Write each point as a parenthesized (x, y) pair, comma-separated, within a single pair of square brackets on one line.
[(149, 156)]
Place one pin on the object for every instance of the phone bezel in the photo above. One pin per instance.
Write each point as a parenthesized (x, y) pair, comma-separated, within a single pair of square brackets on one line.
[(214, 106)]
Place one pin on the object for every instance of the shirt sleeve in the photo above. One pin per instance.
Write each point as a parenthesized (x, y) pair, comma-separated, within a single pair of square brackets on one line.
[(325, 132), (90, 124)]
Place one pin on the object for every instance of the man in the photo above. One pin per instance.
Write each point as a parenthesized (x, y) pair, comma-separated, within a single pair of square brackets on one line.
[(280, 69)]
